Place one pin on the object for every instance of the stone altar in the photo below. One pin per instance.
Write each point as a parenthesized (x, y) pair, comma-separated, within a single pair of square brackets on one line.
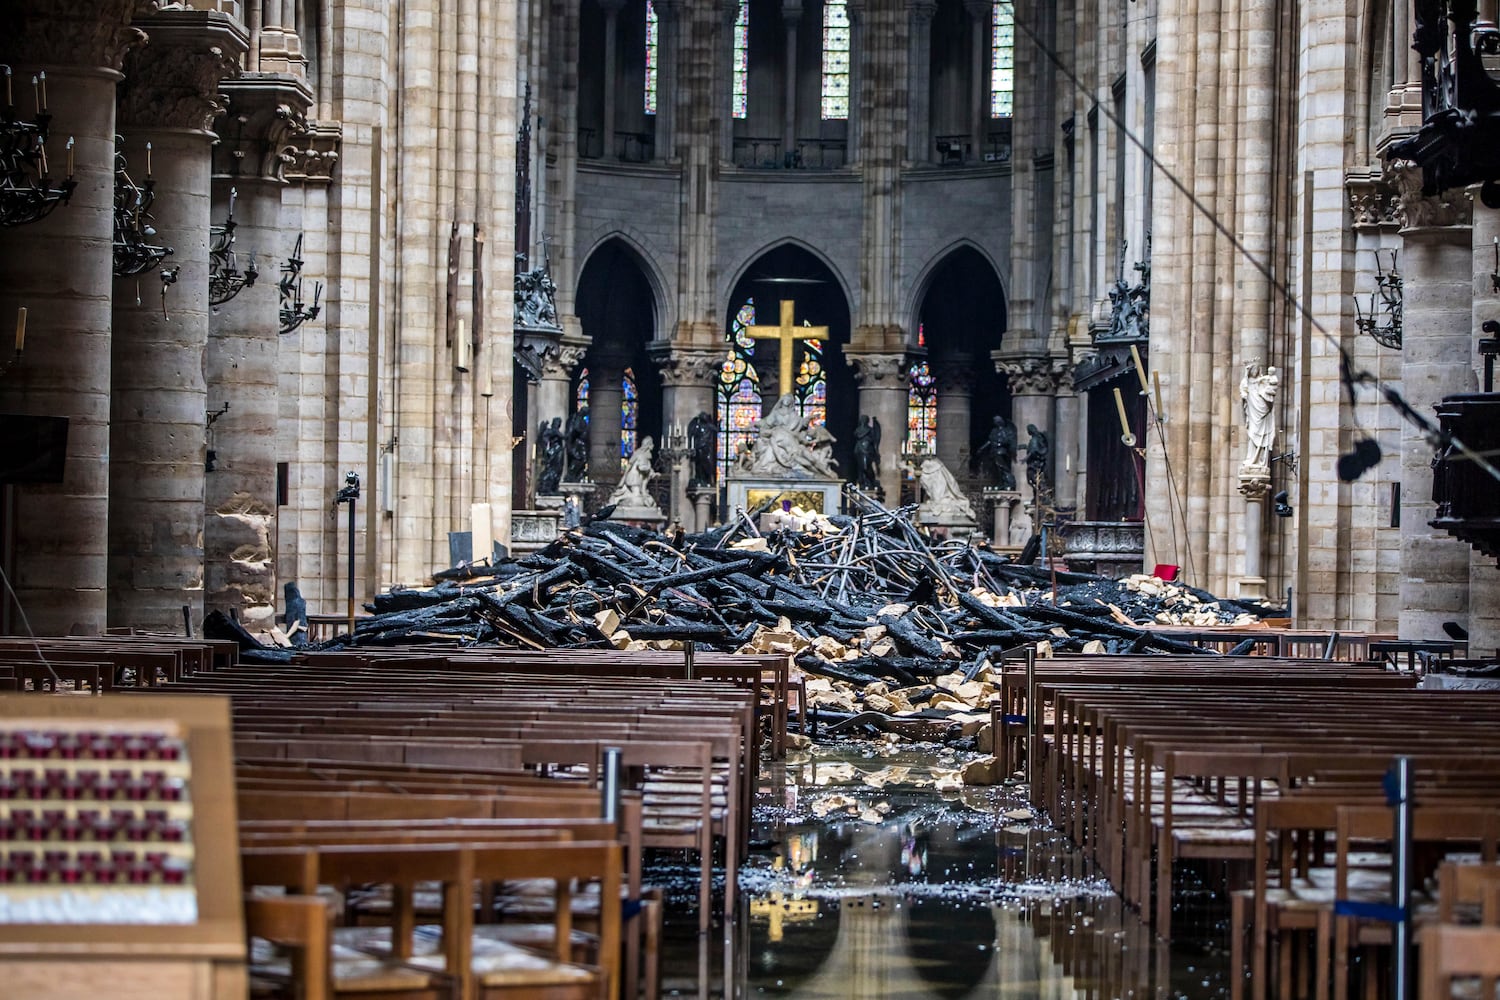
[(790, 459)]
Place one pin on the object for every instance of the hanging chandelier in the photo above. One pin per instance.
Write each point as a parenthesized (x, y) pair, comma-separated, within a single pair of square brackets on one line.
[(133, 254), (27, 191), (225, 279), (294, 312)]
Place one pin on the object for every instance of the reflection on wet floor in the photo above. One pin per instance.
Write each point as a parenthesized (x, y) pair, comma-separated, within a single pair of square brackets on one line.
[(876, 876)]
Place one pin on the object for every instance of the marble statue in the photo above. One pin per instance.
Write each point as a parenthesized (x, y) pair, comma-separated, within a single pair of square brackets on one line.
[(1257, 397), (943, 502), (572, 515), (1038, 450), (632, 498), (867, 453), (549, 457), (999, 451), (702, 436), (786, 445), (1020, 526), (578, 445)]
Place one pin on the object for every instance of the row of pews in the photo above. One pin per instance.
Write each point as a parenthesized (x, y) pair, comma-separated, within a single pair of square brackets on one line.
[(1270, 775), (404, 825)]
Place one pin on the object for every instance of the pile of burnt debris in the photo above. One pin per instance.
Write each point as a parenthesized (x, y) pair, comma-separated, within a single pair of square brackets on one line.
[(866, 599)]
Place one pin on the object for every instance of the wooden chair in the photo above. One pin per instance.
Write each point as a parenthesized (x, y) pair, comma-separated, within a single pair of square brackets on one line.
[(300, 926)]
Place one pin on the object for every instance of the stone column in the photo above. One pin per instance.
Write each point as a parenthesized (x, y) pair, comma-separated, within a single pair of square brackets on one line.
[(955, 393), (59, 269), (882, 394), (919, 82), (552, 397), (981, 15), (688, 380), (1067, 445), (280, 47), (1254, 488), (243, 370), (1436, 353), (159, 398), (791, 16), (856, 10), (611, 10), (668, 16), (605, 398), (1031, 387)]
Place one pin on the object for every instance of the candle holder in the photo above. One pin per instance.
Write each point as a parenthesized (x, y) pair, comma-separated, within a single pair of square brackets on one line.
[(133, 252), (225, 279), (1382, 322), (294, 312), (27, 191)]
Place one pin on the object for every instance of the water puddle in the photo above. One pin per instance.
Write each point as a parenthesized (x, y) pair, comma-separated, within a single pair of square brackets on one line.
[(875, 874)]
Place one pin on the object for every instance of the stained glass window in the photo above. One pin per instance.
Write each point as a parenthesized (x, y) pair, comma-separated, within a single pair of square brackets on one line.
[(921, 410), (1002, 60), (629, 405), (739, 391), (741, 103), (835, 59), (812, 383), (652, 29)]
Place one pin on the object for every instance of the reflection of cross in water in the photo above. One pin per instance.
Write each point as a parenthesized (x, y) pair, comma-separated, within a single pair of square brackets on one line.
[(787, 334)]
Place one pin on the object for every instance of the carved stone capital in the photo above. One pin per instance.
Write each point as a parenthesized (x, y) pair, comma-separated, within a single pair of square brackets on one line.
[(1255, 482), (879, 371), (1029, 376), (267, 113), (921, 11), (954, 376), (980, 10), (562, 360), (174, 81), (314, 153), (48, 33), (1372, 202), (681, 367), (1421, 211)]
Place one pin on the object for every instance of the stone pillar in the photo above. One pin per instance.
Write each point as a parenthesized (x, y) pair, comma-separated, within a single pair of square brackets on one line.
[(668, 17), (59, 269), (954, 379), (882, 394), (791, 16), (1031, 387), (159, 395), (611, 10), (1068, 443), (1254, 488), (279, 46), (1436, 351), (243, 346), (688, 380), (606, 395), (981, 16), (919, 81), (551, 397), (856, 9)]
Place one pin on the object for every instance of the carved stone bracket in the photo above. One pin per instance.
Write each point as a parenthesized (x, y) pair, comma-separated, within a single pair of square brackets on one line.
[(314, 153), (174, 81), (681, 367), (1420, 211), (68, 33), (882, 371), (266, 115), (1255, 482), (1029, 376), (561, 360), (1372, 201)]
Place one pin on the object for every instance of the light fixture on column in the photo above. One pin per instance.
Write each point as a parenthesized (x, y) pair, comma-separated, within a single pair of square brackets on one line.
[(225, 279), (294, 312), (27, 190), (133, 229), (1382, 323)]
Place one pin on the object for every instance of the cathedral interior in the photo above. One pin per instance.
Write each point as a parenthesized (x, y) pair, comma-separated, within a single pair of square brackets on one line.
[(342, 292)]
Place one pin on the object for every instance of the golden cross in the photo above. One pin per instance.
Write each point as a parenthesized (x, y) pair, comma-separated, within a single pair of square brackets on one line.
[(787, 335)]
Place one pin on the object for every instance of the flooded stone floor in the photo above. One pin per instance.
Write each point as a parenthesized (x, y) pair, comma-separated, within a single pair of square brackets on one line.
[(871, 876)]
